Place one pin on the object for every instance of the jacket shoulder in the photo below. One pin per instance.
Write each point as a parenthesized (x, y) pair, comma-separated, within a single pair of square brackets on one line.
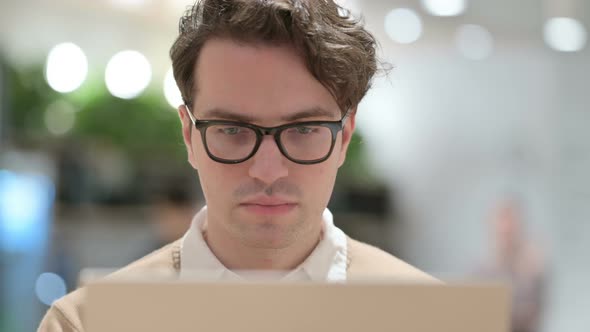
[(65, 314), (367, 262)]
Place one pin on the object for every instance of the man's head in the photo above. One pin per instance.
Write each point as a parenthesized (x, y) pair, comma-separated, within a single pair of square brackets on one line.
[(269, 63)]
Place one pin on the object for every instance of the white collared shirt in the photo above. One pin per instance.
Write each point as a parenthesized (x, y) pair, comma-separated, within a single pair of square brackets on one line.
[(327, 262)]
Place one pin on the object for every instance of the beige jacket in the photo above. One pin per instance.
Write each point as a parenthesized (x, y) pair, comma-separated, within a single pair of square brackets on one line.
[(364, 261)]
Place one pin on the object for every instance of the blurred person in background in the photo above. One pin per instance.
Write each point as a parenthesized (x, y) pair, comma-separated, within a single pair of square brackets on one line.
[(271, 89), (519, 261)]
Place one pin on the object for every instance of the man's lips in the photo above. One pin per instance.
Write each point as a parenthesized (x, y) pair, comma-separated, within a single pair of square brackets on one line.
[(268, 206), (268, 201)]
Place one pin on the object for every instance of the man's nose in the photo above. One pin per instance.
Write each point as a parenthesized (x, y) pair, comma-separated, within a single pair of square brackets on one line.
[(268, 163)]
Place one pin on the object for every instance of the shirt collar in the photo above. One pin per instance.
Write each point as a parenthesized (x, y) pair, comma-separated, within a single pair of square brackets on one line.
[(327, 262)]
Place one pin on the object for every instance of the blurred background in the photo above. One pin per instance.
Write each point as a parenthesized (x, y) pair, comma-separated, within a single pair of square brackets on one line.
[(470, 160)]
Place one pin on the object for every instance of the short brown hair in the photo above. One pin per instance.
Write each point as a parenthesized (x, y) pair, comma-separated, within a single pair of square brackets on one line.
[(336, 48)]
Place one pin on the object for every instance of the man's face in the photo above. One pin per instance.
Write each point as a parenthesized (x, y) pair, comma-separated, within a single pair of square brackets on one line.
[(266, 201)]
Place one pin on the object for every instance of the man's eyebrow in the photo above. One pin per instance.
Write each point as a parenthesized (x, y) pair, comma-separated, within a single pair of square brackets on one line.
[(314, 112), (219, 113)]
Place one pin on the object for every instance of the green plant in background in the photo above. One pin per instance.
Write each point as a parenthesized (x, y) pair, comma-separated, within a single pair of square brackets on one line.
[(356, 171), (140, 127), (143, 127), (27, 95)]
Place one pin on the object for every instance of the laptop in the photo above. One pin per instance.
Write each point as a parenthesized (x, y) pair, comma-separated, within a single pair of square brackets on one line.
[(182, 306)]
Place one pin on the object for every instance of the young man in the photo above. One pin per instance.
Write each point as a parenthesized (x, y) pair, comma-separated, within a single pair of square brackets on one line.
[(270, 89)]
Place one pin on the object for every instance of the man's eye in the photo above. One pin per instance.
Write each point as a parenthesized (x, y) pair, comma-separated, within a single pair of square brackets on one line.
[(304, 130), (231, 130)]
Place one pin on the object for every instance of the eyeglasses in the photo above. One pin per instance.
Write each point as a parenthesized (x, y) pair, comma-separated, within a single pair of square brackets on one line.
[(232, 142)]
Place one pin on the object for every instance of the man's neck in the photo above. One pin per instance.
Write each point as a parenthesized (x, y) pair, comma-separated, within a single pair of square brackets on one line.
[(234, 255)]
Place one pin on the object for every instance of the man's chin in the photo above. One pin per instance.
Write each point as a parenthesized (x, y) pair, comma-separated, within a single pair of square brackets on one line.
[(268, 232), (269, 241)]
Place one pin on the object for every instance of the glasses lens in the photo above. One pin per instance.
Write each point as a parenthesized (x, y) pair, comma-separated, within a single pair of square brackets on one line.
[(307, 142), (231, 142)]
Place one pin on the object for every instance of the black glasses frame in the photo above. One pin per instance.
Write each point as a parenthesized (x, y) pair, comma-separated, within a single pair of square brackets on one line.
[(202, 125)]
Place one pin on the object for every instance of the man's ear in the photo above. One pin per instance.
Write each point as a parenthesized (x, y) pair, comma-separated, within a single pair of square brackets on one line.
[(347, 132), (187, 130)]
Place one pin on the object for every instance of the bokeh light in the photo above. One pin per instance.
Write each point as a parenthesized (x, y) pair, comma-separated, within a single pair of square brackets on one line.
[(60, 117), (66, 67), (444, 7), (351, 6), (127, 75), (129, 4), (403, 25), (565, 34), (25, 209), (171, 91), (50, 287)]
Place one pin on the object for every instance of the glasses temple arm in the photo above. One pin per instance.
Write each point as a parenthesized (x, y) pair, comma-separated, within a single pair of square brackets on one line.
[(190, 114)]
